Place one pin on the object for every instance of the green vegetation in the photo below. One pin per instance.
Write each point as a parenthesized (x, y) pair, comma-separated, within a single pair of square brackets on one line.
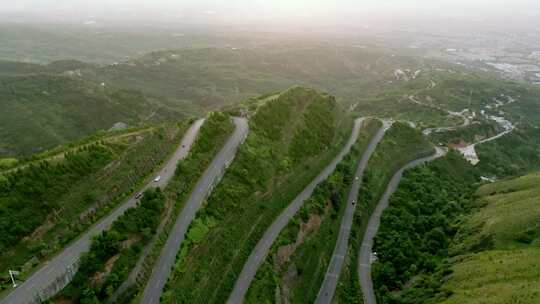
[(6, 163), (30, 195), (470, 134), (114, 252), (261, 181), (48, 42), (46, 204), (400, 145), (418, 227), (297, 262), (220, 75), (212, 136), (496, 253), (440, 244), (43, 110), (511, 155)]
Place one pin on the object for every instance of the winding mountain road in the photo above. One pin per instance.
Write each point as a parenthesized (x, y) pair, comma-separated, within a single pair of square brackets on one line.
[(208, 180), (364, 259), (328, 287), (259, 253), (58, 272)]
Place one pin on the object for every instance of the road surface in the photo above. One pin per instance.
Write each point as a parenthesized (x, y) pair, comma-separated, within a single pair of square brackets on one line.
[(210, 177), (364, 258), (57, 272), (328, 287), (262, 248)]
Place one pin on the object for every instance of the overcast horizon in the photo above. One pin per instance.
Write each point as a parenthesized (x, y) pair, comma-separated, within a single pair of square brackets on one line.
[(394, 14)]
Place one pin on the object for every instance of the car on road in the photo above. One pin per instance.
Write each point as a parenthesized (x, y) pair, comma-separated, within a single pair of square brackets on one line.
[(138, 195), (357, 178), (157, 179)]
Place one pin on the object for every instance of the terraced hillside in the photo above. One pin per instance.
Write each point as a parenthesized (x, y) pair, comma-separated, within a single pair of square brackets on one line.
[(292, 137), (46, 203)]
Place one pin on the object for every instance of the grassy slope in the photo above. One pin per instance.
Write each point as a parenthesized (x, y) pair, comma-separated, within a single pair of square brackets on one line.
[(500, 257), (85, 199), (265, 176), (400, 145), (309, 238)]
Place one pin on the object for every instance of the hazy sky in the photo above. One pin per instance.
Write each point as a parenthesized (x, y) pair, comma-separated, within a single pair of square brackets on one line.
[(309, 12)]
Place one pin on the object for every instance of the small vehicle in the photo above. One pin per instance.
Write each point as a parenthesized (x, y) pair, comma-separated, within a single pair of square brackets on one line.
[(157, 179), (353, 202), (138, 195), (357, 178)]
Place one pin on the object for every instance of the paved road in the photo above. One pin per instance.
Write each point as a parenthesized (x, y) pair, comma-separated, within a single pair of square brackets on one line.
[(262, 248), (364, 258), (328, 287), (210, 177), (52, 277)]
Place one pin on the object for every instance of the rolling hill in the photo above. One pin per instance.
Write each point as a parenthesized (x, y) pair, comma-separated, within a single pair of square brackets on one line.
[(41, 110)]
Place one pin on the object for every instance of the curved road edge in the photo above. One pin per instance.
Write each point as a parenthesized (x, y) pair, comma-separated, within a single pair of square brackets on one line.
[(58, 272), (364, 258), (328, 287), (204, 186), (259, 253)]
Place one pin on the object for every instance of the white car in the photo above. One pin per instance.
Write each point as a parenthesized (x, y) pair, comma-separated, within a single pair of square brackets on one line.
[(157, 179)]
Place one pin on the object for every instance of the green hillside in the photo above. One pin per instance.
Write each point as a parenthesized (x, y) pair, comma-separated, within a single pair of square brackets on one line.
[(264, 178), (297, 261), (400, 145), (498, 253), (115, 252), (418, 227), (40, 111), (216, 76), (45, 204)]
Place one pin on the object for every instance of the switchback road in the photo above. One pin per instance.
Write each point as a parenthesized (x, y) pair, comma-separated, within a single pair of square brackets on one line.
[(57, 272), (328, 287), (208, 180), (364, 258), (262, 248)]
